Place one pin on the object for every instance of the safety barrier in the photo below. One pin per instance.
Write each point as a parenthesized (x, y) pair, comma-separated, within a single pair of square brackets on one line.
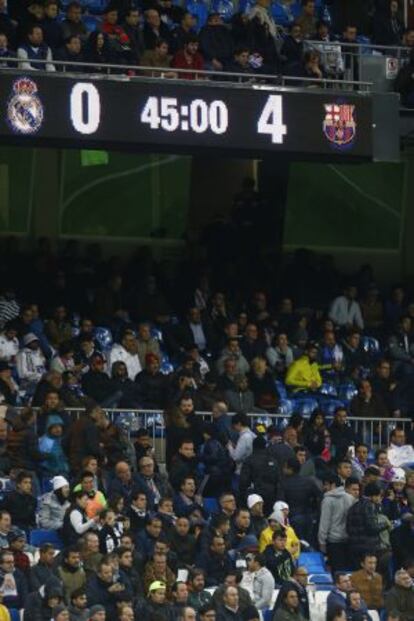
[(133, 72), (373, 431)]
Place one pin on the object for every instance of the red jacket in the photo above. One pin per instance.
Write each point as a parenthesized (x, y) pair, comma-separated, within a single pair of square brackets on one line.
[(180, 61), (116, 31)]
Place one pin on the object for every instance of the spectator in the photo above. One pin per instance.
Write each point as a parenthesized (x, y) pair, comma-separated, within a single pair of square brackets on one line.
[(368, 582), (97, 385), (73, 25), (16, 594), (260, 13), (230, 608), (342, 434), (70, 572), (356, 608), (388, 26), (134, 34), (199, 597), (401, 597), (289, 607), (261, 579), (71, 52), (179, 35), (98, 51), (127, 352), (278, 560), (303, 374), (262, 384), (330, 51), (215, 562), (51, 27), (260, 472), (367, 403), (345, 310), (189, 58), (103, 589), (54, 504), (337, 598), (401, 348), (216, 43), (30, 363), (307, 19), (41, 603), (20, 503), (58, 329), (243, 448), (292, 49), (9, 344), (404, 83), (78, 609), (280, 357), (297, 582), (76, 522), (332, 535), (154, 29), (400, 453)]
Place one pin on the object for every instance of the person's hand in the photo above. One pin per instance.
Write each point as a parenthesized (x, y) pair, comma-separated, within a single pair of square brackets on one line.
[(198, 499), (313, 385), (322, 548), (217, 64), (96, 519), (116, 588)]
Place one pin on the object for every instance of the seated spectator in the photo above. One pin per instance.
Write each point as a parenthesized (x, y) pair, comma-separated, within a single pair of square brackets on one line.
[(215, 561), (337, 598), (70, 572), (97, 385), (8, 388), (118, 39), (16, 591), (388, 26), (252, 345), (30, 363), (307, 19), (356, 607), (297, 582), (189, 58), (9, 344), (371, 305), (233, 351), (368, 582), (43, 571), (216, 43), (400, 453), (151, 384), (261, 581), (98, 51), (73, 25), (71, 52), (279, 522), (292, 48), (330, 51), (127, 352), (21, 503), (58, 328), (345, 311), (280, 356), (262, 384), (401, 348), (330, 356), (157, 569), (124, 386), (289, 607), (41, 603), (104, 588), (96, 500), (303, 374), (78, 609), (53, 505), (278, 560), (154, 29), (400, 598), (34, 50), (230, 608), (367, 403)]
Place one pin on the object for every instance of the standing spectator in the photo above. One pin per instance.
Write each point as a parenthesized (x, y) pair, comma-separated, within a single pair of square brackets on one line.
[(368, 582), (307, 19), (51, 27), (388, 26), (302, 495), (401, 348), (73, 25), (260, 12), (216, 43), (179, 36), (243, 448), (260, 472), (332, 535), (30, 363), (261, 579), (345, 311), (189, 58), (292, 48), (278, 560)]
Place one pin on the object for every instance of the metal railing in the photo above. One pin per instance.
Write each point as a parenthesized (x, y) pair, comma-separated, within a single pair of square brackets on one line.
[(375, 432), (128, 73)]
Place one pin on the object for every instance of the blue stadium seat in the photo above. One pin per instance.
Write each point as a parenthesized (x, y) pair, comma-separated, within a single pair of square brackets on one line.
[(305, 405), (104, 338), (96, 7), (199, 10), (14, 614), (322, 578), (92, 22), (347, 391), (281, 15), (246, 5), (286, 407), (211, 505), (370, 345), (281, 389), (328, 389), (46, 485), (328, 406), (224, 7), (40, 535), (156, 334)]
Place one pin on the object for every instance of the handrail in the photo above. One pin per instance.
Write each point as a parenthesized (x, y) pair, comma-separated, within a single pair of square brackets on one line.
[(372, 46), (246, 79)]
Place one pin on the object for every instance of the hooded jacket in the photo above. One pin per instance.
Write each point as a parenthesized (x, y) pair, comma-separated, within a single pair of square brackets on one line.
[(52, 512), (266, 537), (55, 462), (334, 509), (37, 608)]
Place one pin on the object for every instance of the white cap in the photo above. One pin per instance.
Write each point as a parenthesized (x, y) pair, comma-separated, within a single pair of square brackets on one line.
[(253, 499), (59, 482), (398, 476)]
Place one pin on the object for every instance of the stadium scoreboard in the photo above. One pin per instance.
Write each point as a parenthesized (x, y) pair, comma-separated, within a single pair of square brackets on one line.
[(177, 115)]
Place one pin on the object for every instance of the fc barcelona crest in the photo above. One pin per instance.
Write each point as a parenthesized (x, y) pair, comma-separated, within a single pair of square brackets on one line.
[(339, 125)]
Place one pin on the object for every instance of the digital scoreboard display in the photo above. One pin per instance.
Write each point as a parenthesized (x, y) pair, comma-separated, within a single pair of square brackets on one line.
[(138, 114)]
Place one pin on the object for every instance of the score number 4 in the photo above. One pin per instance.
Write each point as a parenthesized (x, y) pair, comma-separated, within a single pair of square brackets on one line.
[(271, 119)]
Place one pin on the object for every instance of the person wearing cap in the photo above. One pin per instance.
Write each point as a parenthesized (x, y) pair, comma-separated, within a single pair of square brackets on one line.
[(8, 387), (156, 604), (279, 520), (363, 524), (97, 613), (303, 374), (255, 504), (30, 363), (395, 503), (260, 472), (17, 542)]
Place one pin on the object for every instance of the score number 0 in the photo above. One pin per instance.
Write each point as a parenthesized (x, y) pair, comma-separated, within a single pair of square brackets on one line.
[(271, 119)]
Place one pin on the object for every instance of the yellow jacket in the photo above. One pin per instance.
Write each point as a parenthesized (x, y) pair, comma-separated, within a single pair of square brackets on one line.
[(292, 543), (301, 374), (4, 613)]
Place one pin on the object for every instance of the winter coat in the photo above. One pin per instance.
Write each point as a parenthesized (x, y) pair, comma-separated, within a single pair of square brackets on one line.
[(402, 601), (334, 510), (51, 512), (280, 564), (363, 527), (301, 494), (36, 608), (260, 475), (22, 508), (292, 585), (284, 614), (215, 566), (55, 462)]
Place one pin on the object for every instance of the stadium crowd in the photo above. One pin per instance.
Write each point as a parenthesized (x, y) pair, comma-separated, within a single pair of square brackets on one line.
[(260, 37), (230, 527)]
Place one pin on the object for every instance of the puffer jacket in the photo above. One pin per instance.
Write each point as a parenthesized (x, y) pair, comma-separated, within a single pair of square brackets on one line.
[(52, 512), (363, 526), (55, 462)]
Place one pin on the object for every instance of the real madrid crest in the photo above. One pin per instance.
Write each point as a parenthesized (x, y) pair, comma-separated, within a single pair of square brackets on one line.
[(25, 109)]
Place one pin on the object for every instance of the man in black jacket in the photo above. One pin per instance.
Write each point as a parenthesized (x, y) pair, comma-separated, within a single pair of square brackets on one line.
[(363, 524), (20, 503), (278, 560), (97, 385), (216, 562), (260, 472), (102, 589), (302, 495), (216, 42), (298, 582), (40, 606)]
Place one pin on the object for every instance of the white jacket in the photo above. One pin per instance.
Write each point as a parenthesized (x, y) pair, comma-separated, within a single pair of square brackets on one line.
[(30, 365), (8, 348), (133, 365)]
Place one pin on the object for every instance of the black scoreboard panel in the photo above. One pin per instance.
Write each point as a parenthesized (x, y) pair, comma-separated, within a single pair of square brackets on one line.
[(135, 114)]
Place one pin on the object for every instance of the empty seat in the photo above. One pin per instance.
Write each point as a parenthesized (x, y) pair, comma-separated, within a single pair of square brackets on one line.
[(224, 7), (211, 505), (199, 10), (40, 535)]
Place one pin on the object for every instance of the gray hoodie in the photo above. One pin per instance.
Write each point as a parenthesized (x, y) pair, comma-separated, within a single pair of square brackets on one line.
[(334, 508)]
